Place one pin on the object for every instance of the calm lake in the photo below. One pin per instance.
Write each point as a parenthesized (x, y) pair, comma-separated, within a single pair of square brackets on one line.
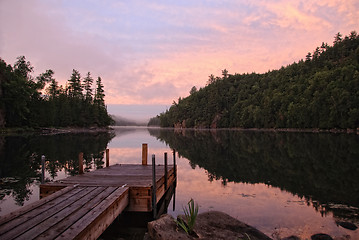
[(281, 183)]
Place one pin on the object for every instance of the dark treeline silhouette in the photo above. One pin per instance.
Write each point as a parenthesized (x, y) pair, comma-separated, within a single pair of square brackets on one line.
[(40, 102), (20, 159), (321, 91), (320, 168)]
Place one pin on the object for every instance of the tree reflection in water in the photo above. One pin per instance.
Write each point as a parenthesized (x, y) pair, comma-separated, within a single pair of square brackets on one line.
[(20, 159), (320, 168)]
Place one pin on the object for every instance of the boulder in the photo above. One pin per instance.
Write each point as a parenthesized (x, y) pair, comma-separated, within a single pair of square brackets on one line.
[(165, 228), (209, 225)]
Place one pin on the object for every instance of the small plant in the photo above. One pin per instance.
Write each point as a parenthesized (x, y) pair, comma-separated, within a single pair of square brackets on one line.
[(248, 237), (190, 217)]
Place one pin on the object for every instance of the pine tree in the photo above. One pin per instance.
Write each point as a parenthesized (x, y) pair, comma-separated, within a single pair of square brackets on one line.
[(75, 87), (100, 93), (87, 84)]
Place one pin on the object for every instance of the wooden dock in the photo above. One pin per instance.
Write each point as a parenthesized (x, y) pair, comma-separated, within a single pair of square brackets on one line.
[(83, 206)]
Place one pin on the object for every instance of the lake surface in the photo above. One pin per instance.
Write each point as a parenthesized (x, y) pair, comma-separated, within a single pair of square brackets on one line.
[(281, 183)]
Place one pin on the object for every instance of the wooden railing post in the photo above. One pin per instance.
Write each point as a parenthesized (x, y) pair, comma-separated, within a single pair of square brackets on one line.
[(174, 164), (174, 200), (165, 157), (175, 181), (144, 154), (107, 157), (81, 163), (42, 168), (154, 187)]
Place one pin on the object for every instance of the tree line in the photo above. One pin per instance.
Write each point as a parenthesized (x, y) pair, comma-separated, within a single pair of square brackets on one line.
[(321, 91), (27, 101)]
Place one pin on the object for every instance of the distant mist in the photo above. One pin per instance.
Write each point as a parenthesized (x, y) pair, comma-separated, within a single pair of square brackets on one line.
[(135, 113), (122, 121)]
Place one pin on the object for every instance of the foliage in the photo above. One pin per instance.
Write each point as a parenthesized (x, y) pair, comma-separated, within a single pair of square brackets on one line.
[(41, 102), (321, 91), (190, 217), (155, 121)]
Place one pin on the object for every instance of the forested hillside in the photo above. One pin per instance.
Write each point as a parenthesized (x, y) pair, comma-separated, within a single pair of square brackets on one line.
[(321, 91), (40, 102)]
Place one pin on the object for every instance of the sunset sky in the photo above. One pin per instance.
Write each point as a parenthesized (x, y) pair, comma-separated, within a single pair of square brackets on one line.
[(150, 53)]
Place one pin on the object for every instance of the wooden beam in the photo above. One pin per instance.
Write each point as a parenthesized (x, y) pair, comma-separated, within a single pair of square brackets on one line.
[(154, 187), (144, 154), (107, 157), (165, 159)]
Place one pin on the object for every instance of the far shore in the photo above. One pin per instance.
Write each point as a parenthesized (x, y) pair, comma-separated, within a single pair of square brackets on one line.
[(303, 130), (54, 130), (64, 130)]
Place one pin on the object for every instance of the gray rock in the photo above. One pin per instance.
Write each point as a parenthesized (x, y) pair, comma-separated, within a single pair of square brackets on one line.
[(209, 225), (165, 228)]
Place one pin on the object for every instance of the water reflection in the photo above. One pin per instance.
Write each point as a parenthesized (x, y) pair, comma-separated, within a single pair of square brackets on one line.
[(321, 169), (265, 179), (20, 160)]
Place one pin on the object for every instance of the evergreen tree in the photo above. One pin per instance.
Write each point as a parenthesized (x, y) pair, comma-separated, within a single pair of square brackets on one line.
[(87, 83), (74, 86), (53, 90), (211, 79), (193, 90), (17, 92), (100, 93), (338, 38)]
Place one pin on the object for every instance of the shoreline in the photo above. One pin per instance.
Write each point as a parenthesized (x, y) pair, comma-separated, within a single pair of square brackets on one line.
[(65, 130), (54, 130), (298, 130)]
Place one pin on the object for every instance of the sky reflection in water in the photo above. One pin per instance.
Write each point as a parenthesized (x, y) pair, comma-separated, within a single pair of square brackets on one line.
[(274, 211)]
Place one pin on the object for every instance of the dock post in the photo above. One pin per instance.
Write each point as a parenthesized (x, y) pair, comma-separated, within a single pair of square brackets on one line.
[(174, 199), (42, 169), (175, 181), (166, 172), (81, 163), (107, 157), (144, 154), (154, 187), (174, 163)]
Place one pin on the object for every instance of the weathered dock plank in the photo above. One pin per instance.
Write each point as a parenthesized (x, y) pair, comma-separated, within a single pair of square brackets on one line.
[(70, 219), (30, 207), (24, 222), (100, 217), (66, 213)]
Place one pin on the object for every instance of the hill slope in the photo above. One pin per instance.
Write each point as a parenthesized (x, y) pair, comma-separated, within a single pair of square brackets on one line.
[(321, 91)]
